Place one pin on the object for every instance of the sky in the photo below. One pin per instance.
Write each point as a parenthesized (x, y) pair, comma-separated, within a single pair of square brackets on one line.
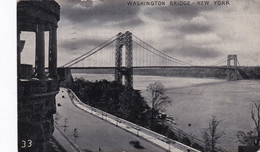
[(200, 35)]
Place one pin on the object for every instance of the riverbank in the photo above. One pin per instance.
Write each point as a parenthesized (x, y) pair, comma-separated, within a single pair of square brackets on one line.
[(196, 99)]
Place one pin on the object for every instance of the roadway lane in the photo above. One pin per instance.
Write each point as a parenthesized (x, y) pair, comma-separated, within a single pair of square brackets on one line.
[(95, 133)]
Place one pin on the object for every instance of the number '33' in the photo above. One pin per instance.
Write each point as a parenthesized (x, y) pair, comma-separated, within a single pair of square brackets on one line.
[(26, 144)]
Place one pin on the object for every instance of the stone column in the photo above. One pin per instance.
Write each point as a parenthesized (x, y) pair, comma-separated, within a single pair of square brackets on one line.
[(40, 52), (53, 53)]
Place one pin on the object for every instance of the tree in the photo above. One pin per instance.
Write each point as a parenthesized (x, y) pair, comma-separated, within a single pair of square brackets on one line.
[(114, 98), (245, 138), (252, 137), (212, 134), (255, 115), (158, 99), (75, 134), (133, 107)]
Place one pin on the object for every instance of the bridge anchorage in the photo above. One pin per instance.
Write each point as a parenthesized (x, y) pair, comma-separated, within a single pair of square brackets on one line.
[(127, 70)]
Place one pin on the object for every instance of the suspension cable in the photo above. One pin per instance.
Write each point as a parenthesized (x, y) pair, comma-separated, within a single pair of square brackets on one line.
[(88, 51), (160, 51), (220, 61), (92, 53), (157, 54)]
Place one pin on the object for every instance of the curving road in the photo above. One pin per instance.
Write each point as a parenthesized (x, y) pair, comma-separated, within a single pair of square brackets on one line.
[(95, 134)]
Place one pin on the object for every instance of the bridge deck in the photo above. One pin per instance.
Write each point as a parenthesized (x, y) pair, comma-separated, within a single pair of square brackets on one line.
[(153, 67)]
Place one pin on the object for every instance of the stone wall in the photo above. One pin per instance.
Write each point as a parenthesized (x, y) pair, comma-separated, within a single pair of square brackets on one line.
[(36, 106), (65, 77)]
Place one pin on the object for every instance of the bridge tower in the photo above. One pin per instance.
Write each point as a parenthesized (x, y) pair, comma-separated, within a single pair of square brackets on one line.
[(232, 71), (127, 70)]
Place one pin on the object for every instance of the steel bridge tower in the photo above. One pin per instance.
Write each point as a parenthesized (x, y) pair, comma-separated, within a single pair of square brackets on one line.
[(232, 72), (127, 70)]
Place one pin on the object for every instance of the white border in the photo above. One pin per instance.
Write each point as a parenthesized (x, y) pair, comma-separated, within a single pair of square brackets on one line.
[(8, 83)]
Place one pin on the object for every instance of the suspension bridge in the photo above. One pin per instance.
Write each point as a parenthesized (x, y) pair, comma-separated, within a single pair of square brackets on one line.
[(125, 52)]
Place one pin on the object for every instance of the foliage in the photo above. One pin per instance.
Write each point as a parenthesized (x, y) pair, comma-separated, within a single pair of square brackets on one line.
[(212, 134), (186, 141), (113, 98), (161, 128), (172, 135), (127, 103), (158, 100), (197, 146), (245, 138)]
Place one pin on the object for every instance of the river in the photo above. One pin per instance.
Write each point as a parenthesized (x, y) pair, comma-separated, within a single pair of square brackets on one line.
[(195, 100)]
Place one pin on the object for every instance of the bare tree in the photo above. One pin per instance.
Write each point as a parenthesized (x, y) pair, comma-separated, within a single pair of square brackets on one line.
[(75, 134), (66, 121), (255, 115), (252, 137), (212, 134), (158, 99)]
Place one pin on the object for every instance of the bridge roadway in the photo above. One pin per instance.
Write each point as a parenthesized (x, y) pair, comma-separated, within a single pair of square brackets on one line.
[(95, 133), (153, 67)]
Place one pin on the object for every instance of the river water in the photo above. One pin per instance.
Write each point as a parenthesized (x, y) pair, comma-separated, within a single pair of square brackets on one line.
[(195, 100)]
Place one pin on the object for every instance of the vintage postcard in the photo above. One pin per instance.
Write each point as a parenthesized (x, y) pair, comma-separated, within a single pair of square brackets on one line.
[(138, 75)]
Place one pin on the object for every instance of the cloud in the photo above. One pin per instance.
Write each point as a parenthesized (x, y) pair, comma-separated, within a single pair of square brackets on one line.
[(194, 28), (79, 44), (188, 33), (203, 38), (102, 14), (130, 23), (194, 52), (175, 12)]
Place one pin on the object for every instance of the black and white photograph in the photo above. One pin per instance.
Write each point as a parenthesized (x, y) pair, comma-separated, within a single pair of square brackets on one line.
[(137, 75)]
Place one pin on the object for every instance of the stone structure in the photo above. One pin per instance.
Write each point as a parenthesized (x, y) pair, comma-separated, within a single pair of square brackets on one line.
[(127, 70), (36, 88), (65, 77)]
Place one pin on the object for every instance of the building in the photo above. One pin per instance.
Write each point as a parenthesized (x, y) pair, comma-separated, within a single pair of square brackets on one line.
[(36, 88)]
